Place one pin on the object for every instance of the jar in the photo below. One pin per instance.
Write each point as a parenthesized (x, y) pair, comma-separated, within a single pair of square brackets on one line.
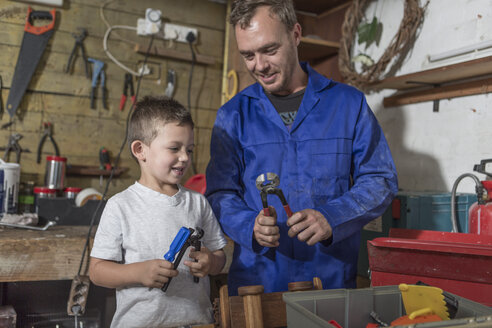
[(55, 172), (42, 192), (71, 192), (26, 197)]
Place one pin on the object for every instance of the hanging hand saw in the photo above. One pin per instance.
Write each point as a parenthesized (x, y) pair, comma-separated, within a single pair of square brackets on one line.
[(33, 44)]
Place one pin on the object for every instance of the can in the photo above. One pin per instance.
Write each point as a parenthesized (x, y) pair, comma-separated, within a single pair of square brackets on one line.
[(71, 192), (55, 172), (43, 192), (10, 181)]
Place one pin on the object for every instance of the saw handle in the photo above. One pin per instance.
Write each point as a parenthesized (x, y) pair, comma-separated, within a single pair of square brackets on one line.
[(31, 14)]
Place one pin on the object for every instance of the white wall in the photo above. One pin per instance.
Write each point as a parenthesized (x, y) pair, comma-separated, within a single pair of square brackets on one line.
[(432, 149)]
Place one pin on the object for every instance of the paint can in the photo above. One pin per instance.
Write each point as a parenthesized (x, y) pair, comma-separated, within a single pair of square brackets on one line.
[(87, 194), (55, 172), (9, 182)]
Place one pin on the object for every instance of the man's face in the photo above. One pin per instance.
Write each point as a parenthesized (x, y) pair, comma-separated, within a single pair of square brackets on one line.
[(269, 51)]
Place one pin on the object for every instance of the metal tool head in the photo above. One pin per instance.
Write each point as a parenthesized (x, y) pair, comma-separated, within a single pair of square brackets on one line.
[(199, 233), (267, 180), (80, 36)]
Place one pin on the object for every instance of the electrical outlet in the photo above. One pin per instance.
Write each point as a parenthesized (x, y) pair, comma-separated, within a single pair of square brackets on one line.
[(178, 32)]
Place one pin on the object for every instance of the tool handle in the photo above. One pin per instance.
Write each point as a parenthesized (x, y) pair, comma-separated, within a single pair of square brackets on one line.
[(266, 211), (198, 246), (134, 99), (288, 210), (104, 91), (122, 102), (93, 102), (38, 30)]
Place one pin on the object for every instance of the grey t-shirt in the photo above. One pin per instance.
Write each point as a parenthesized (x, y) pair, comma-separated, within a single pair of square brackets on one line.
[(139, 224)]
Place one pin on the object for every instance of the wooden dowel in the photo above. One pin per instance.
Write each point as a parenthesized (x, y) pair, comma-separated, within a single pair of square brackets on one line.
[(252, 305)]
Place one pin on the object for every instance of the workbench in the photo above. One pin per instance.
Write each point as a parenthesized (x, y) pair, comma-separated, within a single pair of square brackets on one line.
[(30, 255)]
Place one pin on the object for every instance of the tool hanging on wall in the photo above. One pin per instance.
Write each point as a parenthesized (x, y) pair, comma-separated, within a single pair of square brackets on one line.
[(128, 84), (171, 82), (79, 43), (32, 48), (13, 145), (47, 133), (98, 72)]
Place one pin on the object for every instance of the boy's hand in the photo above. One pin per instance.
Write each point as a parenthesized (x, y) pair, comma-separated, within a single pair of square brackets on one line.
[(204, 262), (266, 231), (155, 273)]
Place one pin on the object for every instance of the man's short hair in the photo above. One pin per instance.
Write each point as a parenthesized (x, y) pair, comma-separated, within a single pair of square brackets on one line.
[(151, 113), (242, 11)]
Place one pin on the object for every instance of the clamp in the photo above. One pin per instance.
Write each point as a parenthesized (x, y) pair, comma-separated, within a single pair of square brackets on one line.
[(184, 238), (128, 84), (47, 133), (267, 184), (97, 73), (79, 39)]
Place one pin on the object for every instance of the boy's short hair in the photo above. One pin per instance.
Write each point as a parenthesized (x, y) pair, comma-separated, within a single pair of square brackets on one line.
[(242, 11), (152, 112)]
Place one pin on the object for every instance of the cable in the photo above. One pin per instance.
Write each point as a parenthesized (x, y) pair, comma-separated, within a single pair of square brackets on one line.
[(106, 50), (86, 246), (190, 37)]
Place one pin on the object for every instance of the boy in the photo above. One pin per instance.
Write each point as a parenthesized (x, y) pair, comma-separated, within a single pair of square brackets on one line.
[(139, 224)]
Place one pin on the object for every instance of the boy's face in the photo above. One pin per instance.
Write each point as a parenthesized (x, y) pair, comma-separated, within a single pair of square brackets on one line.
[(166, 159)]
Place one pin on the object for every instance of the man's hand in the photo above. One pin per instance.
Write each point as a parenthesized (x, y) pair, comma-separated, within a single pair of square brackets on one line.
[(309, 226), (154, 273), (266, 231)]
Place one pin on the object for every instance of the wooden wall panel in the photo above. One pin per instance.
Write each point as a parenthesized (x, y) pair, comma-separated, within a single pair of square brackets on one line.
[(63, 99)]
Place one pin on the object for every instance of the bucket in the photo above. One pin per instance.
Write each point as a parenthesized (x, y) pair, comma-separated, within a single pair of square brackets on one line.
[(9, 184)]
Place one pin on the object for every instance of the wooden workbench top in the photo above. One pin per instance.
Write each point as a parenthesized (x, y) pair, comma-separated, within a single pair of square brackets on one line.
[(30, 255)]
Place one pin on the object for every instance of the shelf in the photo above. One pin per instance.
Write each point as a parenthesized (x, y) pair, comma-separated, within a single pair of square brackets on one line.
[(311, 49), (162, 51), (93, 171), (317, 7), (451, 81), (440, 75)]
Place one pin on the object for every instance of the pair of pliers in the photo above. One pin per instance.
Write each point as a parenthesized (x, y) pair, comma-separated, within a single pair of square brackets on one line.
[(268, 184), (47, 133), (128, 84), (79, 43)]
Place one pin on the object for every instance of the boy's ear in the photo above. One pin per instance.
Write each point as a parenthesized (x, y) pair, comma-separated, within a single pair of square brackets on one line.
[(138, 150)]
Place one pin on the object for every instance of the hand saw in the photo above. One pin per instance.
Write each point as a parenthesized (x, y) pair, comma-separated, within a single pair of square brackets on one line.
[(33, 44)]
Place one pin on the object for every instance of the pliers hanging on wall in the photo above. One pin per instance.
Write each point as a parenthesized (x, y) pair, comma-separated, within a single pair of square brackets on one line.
[(98, 73), (128, 84), (13, 145), (79, 43), (47, 133)]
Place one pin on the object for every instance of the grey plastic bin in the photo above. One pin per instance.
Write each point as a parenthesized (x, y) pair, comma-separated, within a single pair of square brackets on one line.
[(351, 308)]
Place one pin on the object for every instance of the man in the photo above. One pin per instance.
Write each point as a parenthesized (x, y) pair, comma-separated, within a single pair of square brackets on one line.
[(322, 140)]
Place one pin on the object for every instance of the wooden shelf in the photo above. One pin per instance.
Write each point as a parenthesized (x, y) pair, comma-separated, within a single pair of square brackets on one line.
[(311, 49), (93, 170), (318, 7), (440, 75), (446, 82), (162, 51)]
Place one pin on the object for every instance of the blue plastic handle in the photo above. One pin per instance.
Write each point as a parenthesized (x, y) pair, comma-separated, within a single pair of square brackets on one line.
[(177, 243)]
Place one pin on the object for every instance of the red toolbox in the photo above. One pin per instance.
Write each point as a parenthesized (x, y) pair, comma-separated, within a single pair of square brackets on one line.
[(460, 263)]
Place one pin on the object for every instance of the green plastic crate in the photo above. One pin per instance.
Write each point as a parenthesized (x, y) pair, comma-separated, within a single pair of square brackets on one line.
[(351, 308)]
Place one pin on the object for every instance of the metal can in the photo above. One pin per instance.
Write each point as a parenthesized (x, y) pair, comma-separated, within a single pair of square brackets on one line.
[(71, 192), (55, 172)]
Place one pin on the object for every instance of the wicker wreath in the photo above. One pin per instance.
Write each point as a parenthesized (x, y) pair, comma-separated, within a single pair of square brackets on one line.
[(399, 45)]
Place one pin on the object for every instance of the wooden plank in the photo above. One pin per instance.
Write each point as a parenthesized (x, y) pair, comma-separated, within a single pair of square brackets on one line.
[(29, 255), (273, 308), (171, 53), (449, 73), (450, 91)]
